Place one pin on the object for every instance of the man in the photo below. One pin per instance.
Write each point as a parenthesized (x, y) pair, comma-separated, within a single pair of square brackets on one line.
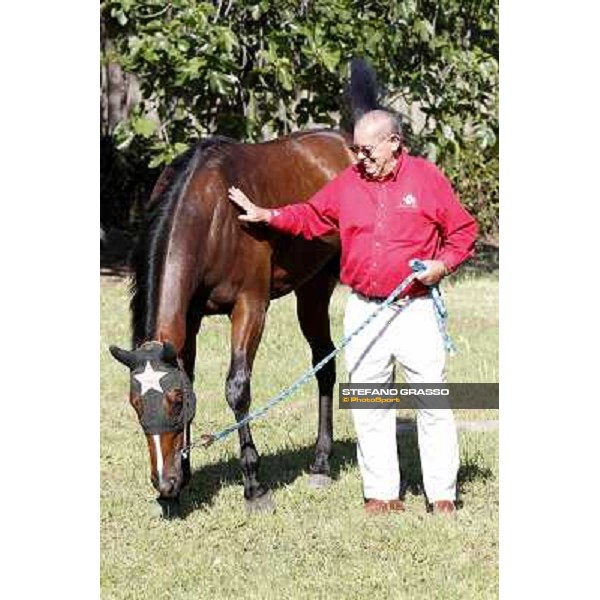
[(389, 208)]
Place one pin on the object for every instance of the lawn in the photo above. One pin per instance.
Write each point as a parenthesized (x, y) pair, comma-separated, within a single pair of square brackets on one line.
[(318, 543)]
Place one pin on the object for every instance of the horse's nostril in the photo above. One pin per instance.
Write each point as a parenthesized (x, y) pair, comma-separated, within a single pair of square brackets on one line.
[(167, 486)]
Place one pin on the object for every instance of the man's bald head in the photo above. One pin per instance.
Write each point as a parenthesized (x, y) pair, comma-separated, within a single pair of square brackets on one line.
[(377, 143), (377, 124)]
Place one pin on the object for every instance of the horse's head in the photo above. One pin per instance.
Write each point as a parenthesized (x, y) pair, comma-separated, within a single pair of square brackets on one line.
[(162, 396)]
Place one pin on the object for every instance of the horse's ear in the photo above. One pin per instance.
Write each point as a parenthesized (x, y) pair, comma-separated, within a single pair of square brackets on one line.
[(125, 357), (168, 354)]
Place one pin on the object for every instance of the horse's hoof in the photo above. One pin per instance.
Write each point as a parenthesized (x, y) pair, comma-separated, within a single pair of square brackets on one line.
[(319, 481), (262, 504)]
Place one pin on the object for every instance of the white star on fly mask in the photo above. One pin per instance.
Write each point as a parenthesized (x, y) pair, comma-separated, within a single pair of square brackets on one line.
[(149, 379)]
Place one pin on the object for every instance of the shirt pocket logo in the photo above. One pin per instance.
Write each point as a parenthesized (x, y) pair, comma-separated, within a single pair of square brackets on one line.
[(408, 201)]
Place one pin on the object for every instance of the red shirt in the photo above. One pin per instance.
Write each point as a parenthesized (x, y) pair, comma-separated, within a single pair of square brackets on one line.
[(383, 224)]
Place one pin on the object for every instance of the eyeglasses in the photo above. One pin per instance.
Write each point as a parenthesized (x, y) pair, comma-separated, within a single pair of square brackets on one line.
[(367, 151)]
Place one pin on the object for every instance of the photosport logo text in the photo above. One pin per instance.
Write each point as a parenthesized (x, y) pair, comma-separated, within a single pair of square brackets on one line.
[(422, 395)]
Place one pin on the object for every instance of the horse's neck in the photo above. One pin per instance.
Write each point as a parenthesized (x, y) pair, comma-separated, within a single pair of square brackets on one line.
[(182, 274)]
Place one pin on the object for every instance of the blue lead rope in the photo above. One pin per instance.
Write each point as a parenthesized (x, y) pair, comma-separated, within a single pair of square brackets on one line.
[(441, 315)]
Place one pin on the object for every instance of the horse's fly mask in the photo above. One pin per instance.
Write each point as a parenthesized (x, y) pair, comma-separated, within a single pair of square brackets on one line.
[(152, 381)]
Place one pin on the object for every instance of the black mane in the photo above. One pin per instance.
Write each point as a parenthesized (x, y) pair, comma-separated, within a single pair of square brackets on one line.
[(149, 252)]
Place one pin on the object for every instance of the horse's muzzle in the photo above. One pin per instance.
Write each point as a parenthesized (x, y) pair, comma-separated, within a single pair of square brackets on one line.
[(169, 486)]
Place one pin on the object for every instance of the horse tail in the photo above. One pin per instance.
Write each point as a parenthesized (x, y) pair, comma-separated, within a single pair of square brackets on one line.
[(363, 89)]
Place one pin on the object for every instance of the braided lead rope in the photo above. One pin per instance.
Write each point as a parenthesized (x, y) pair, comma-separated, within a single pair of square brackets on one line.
[(208, 439), (441, 314)]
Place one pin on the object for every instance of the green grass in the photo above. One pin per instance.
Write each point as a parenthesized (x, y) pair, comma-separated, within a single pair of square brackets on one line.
[(318, 544)]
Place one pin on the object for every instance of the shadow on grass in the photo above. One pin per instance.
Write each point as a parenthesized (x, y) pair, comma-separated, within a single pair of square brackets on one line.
[(276, 471), (472, 468), (283, 468)]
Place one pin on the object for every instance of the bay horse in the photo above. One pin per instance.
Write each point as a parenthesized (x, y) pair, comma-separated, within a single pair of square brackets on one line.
[(194, 258)]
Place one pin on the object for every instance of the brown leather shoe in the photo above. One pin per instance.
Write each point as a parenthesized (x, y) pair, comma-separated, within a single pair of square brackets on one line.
[(396, 506), (443, 507), (378, 507)]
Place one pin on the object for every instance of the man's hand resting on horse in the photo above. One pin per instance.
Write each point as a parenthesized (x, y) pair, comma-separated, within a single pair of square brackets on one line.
[(254, 214)]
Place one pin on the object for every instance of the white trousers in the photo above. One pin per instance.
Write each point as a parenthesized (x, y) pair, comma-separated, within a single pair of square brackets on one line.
[(410, 336)]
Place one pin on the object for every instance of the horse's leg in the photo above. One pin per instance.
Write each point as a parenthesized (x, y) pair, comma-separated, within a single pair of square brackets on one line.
[(247, 322), (188, 358), (313, 315), (188, 352)]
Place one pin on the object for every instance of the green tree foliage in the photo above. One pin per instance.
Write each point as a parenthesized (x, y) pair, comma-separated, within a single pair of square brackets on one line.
[(254, 70)]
